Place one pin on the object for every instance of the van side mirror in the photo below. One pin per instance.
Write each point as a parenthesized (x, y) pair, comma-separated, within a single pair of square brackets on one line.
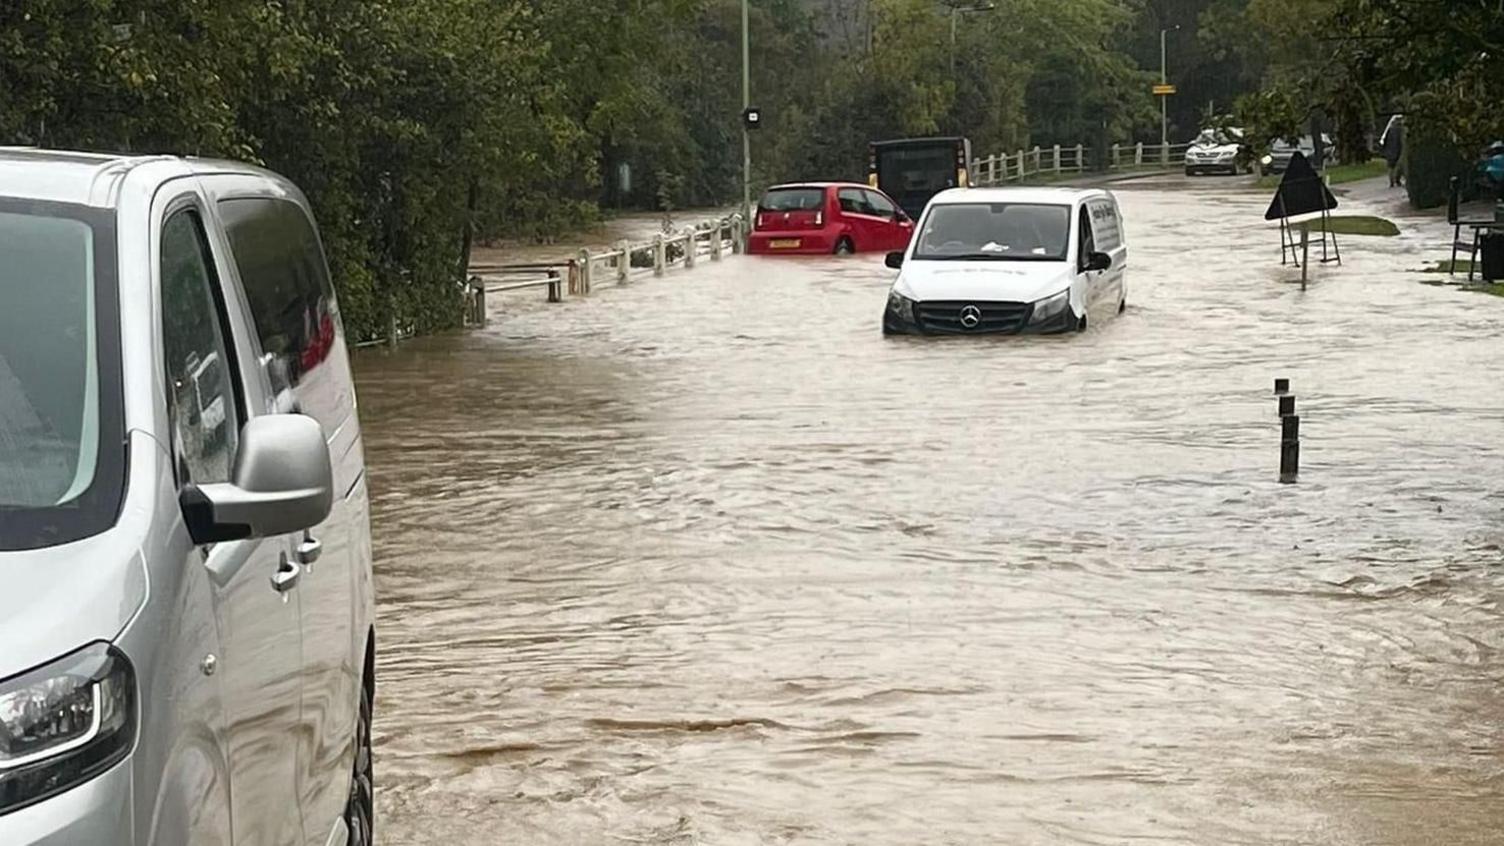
[(1098, 261), (895, 260), (282, 483)]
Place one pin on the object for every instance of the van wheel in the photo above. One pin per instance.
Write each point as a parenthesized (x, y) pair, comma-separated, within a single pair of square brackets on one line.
[(844, 247), (1081, 324), (1122, 305), (360, 809)]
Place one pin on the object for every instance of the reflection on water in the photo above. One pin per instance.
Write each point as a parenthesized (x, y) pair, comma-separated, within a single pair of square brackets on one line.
[(709, 560)]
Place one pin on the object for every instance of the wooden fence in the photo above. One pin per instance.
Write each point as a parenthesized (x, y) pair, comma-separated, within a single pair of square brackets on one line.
[(1060, 161)]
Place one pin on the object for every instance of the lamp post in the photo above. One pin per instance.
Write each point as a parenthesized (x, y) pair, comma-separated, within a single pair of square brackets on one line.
[(955, 15), (1164, 99)]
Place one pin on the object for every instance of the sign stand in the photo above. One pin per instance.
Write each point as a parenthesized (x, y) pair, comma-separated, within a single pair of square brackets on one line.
[(1303, 192)]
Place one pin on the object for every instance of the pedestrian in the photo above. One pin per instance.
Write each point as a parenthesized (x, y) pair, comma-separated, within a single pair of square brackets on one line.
[(1392, 145)]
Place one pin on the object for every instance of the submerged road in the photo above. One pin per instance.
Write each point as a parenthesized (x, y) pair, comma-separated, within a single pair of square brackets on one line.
[(707, 559)]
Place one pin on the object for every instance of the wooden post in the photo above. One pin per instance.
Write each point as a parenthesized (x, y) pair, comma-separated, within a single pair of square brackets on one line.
[(1020, 164), (1038, 159), (1114, 156), (691, 246), (478, 292), (715, 241), (1138, 153), (391, 319), (1080, 158), (739, 230), (555, 287), (1289, 449), (624, 263), (1305, 254), (585, 285), (1056, 152), (660, 258)]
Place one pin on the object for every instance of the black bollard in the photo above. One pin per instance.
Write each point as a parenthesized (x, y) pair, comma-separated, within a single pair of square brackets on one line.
[(1286, 405), (1289, 449), (1281, 386)]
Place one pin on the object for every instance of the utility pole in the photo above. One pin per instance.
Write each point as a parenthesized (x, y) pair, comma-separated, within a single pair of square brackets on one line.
[(955, 16), (1164, 100), (746, 133)]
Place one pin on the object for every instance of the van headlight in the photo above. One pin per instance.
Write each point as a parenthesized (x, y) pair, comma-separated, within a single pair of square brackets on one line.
[(1050, 306), (902, 307), (64, 723)]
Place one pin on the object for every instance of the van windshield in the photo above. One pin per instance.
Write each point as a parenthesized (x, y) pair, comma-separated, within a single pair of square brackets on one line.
[(62, 448), (995, 232)]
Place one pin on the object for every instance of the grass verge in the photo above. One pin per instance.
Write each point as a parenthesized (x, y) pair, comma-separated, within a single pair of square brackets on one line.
[(1355, 224), (1339, 175), (1459, 268), (1447, 266)]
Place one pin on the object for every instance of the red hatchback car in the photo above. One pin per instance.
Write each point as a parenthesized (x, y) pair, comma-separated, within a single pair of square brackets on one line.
[(828, 217)]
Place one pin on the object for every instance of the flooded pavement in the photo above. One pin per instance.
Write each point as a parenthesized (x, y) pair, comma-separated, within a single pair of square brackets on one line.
[(707, 559)]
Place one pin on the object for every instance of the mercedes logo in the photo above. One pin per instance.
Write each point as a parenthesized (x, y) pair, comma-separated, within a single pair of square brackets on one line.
[(971, 316)]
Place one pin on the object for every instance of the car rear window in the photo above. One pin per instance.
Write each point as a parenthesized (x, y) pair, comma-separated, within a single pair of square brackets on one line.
[(793, 199)]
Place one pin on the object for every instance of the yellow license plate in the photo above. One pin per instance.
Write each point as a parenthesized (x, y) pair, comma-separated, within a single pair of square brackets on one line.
[(785, 243)]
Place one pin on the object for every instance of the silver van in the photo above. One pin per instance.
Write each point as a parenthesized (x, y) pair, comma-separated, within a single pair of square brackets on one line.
[(186, 612)]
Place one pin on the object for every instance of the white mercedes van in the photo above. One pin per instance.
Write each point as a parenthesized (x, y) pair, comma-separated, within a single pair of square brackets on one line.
[(1010, 261)]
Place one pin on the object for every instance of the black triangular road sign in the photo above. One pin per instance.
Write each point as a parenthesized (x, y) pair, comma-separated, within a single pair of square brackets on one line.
[(1300, 192)]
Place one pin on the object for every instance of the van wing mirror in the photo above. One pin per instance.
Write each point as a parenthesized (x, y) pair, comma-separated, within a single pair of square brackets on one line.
[(1098, 261), (282, 483), (895, 260)]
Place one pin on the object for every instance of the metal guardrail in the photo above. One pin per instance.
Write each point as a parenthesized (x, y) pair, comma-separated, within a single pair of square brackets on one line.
[(1063, 161), (625, 260)]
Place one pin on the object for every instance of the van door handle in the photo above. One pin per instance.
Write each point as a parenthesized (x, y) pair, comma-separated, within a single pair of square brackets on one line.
[(310, 549), (288, 574)]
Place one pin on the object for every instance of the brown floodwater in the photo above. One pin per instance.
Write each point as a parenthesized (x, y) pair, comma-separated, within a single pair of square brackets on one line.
[(708, 560)]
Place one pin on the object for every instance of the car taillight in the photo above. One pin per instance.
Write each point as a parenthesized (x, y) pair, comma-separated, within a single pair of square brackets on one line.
[(819, 218)]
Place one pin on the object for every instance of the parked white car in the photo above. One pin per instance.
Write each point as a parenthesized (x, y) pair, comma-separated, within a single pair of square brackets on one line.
[(1010, 260), (1216, 151)]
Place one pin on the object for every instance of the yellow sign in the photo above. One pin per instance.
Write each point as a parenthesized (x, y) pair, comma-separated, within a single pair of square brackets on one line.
[(1164, 90)]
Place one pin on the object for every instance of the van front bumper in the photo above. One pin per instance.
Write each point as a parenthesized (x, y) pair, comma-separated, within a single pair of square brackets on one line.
[(97, 811), (944, 318)]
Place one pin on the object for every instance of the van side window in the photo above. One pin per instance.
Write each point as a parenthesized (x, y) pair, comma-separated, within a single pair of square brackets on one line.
[(286, 283), (204, 408), (1106, 229), (1088, 241)]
